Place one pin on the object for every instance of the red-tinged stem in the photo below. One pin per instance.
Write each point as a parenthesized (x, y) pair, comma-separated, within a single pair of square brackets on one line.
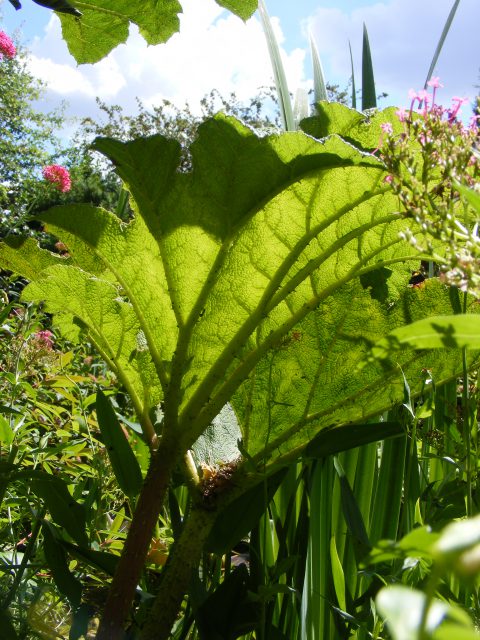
[(184, 559), (132, 560)]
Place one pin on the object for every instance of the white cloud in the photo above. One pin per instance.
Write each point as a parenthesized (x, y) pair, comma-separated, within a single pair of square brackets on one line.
[(403, 35), (214, 50)]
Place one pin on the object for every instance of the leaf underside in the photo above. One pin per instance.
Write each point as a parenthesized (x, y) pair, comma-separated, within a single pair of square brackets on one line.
[(262, 277), (104, 25)]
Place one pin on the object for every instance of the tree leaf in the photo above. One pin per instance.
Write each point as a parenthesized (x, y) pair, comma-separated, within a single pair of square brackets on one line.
[(123, 461)]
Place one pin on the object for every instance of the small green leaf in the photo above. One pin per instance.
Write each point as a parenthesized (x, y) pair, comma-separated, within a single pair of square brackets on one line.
[(124, 464), (65, 511), (438, 332), (6, 432), (472, 196), (66, 582)]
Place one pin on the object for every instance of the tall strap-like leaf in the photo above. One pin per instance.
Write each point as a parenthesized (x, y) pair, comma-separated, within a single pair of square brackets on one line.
[(283, 94), (369, 95), (319, 85), (443, 35)]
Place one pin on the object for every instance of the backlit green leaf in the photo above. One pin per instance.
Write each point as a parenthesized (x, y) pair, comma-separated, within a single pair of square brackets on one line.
[(105, 24), (438, 332)]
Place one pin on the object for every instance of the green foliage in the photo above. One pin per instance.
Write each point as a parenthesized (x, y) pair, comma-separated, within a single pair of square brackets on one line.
[(27, 142), (103, 26), (238, 308), (240, 286)]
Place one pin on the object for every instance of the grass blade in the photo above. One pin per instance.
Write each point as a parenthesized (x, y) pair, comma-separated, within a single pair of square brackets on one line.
[(369, 96), (354, 92), (285, 104), (446, 29)]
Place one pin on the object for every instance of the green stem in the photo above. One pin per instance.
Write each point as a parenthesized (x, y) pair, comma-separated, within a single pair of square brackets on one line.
[(183, 560), (466, 424), (132, 560)]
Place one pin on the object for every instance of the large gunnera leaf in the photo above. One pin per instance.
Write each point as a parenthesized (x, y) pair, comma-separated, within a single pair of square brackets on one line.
[(104, 24), (260, 277)]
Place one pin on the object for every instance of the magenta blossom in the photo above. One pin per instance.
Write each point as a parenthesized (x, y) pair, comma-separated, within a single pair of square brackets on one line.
[(457, 102), (44, 339), (435, 82), (58, 176), (7, 48)]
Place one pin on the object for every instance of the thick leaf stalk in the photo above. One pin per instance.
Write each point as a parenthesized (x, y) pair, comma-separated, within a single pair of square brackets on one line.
[(132, 560), (182, 562)]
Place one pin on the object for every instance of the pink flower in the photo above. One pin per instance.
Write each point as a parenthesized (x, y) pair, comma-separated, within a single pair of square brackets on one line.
[(401, 114), (7, 48), (388, 179), (44, 339), (457, 102), (58, 176), (435, 82), (386, 127)]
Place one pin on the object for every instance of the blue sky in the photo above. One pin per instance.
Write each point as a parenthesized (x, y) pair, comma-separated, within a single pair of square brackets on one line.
[(217, 50)]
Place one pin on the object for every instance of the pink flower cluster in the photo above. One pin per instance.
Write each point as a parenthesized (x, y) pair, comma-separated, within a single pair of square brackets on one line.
[(7, 48), (428, 101), (58, 176), (43, 339)]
